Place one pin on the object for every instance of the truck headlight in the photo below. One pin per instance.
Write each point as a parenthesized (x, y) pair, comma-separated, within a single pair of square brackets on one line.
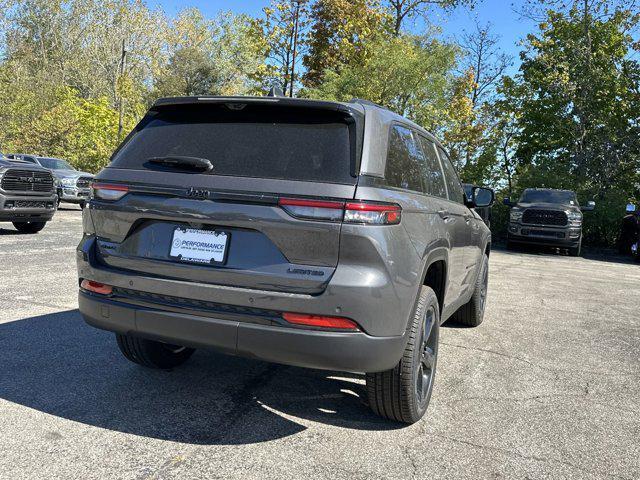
[(575, 218), (68, 182), (515, 215)]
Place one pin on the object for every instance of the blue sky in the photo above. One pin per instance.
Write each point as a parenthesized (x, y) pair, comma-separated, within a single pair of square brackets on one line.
[(505, 21)]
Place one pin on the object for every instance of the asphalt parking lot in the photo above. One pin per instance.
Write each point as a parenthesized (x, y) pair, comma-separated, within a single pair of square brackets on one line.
[(547, 387)]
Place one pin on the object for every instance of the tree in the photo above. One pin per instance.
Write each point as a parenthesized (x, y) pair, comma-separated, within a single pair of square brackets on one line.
[(470, 143), (190, 72), (342, 33), (578, 107), (410, 75), (82, 131), (284, 30), (402, 10), (483, 56)]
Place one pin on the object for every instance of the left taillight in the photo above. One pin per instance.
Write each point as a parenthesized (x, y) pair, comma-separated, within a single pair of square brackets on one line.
[(366, 213), (96, 287), (107, 191)]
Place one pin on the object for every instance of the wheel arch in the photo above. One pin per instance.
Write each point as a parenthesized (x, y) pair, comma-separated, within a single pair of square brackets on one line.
[(435, 274)]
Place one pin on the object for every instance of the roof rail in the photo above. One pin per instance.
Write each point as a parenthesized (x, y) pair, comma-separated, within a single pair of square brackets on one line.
[(365, 102)]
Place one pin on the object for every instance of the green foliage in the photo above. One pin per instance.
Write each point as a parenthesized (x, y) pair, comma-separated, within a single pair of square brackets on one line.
[(569, 119), (577, 112), (343, 32), (410, 75), (82, 131)]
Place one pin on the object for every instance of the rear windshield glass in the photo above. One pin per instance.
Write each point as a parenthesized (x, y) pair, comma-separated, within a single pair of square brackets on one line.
[(549, 196), (310, 145)]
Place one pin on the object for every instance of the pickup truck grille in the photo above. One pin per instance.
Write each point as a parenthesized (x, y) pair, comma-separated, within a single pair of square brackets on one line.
[(533, 216), (15, 180), (83, 182)]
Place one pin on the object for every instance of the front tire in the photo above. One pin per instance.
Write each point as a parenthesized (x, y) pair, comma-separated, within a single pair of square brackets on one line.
[(29, 227), (152, 354), (403, 393), (472, 312)]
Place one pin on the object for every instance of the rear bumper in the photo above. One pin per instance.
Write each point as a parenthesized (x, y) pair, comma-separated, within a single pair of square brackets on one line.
[(353, 351)]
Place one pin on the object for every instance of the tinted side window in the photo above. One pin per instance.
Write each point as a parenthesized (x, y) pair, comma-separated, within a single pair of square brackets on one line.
[(456, 193), (434, 180), (404, 160)]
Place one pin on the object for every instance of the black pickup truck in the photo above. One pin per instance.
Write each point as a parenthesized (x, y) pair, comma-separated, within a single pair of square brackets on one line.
[(544, 216), (27, 195)]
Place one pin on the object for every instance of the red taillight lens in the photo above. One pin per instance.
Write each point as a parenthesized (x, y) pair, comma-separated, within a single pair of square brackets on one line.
[(313, 209), (372, 213), (96, 287), (339, 323), (106, 191), (350, 212)]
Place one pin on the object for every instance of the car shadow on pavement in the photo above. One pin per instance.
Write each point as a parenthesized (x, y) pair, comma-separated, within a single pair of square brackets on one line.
[(8, 231), (58, 365)]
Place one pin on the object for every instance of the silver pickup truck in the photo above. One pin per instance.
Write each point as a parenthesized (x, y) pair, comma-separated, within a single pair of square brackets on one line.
[(27, 195)]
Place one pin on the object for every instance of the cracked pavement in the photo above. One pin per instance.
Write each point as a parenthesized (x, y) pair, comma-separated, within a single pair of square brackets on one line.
[(547, 387)]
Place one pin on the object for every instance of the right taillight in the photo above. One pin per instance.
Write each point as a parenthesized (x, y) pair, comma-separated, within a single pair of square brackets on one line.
[(372, 213), (105, 191), (350, 212)]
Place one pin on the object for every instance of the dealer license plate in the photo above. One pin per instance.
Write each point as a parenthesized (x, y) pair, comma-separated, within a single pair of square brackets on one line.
[(199, 246)]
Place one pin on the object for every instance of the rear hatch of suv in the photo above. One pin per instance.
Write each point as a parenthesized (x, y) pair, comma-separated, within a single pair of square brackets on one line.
[(242, 192)]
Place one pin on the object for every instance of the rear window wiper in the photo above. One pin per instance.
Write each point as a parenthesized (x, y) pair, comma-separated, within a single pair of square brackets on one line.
[(180, 162)]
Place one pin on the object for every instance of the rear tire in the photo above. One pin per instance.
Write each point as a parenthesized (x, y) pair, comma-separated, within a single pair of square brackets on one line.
[(403, 393), (152, 354), (29, 227), (82, 205), (472, 312)]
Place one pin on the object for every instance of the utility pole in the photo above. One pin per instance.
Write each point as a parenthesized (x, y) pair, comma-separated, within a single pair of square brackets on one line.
[(295, 45), (123, 60)]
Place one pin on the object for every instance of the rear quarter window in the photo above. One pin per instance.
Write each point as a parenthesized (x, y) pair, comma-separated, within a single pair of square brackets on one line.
[(454, 187), (405, 160), (434, 179), (313, 145)]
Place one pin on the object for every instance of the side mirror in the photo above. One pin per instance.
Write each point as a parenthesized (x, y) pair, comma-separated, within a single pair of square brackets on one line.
[(507, 201), (589, 207), (483, 197), (631, 208)]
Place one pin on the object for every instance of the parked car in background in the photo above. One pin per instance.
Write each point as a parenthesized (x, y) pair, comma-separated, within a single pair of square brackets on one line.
[(72, 185), (317, 234), (549, 217), (629, 240), (27, 195), (484, 212)]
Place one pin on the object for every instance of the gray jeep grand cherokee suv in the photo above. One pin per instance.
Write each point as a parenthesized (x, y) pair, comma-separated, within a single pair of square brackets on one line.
[(310, 233)]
